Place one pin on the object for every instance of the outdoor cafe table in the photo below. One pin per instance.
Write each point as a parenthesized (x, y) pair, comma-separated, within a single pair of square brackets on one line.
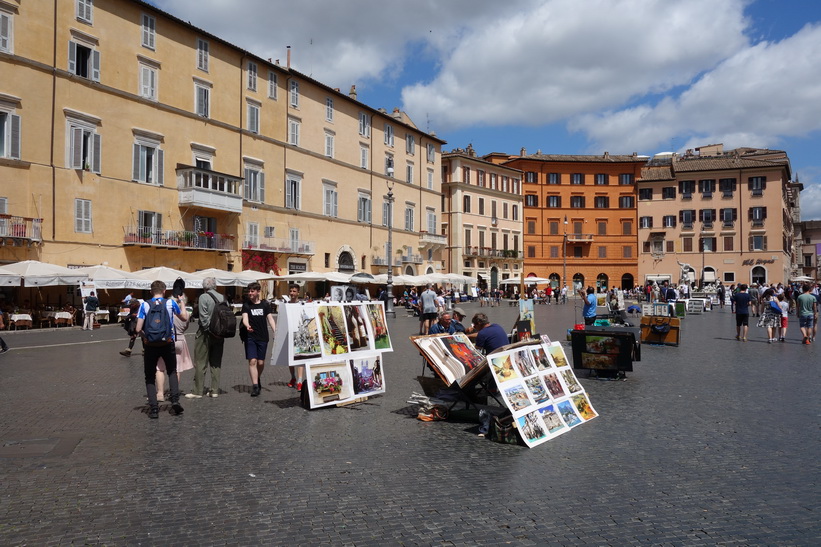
[(20, 320)]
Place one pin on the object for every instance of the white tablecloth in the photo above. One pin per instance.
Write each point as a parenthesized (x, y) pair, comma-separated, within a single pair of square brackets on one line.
[(20, 317), (57, 314)]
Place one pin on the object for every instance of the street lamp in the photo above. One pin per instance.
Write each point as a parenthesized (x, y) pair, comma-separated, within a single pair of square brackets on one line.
[(564, 253), (389, 311)]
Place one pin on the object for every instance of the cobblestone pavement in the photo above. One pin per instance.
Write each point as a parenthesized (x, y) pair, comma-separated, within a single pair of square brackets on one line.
[(713, 442)]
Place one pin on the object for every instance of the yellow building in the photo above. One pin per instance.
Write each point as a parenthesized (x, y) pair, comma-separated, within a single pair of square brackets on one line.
[(128, 135)]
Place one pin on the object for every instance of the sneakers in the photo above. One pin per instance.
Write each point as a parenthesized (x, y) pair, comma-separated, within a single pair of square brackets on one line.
[(299, 386), (176, 409), (154, 413), (214, 394), (126, 352), (806, 341), (192, 396), (292, 383), (4, 350), (255, 389), (737, 337)]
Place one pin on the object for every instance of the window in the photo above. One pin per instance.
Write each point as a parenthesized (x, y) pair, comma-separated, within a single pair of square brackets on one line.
[(389, 165), (758, 243), (293, 131), (687, 244), (626, 178), (363, 208), (85, 146), (728, 217), (389, 135), (645, 222), (202, 55), (329, 109), (669, 221), (330, 200), (466, 175), (84, 11), (147, 163), (531, 176), (577, 252), (668, 192), (602, 226), (626, 228), (364, 154), (83, 61), (148, 81), (431, 218), (627, 202), (468, 241), (364, 125), (645, 193), (601, 179), (554, 201), (707, 187), (149, 35), (410, 144), (82, 216), (149, 222), (430, 179), (708, 216), (431, 153), (329, 143), (409, 173), (409, 218), (387, 213), (480, 178), (531, 226), (553, 178), (601, 202), (554, 228), (9, 135), (554, 251), (686, 217), (708, 244), (728, 243), (293, 186), (493, 179), (252, 234), (531, 251), (252, 76), (686, 188), (481, 206), (272, 85), (602, 251), (254, 184), (466, 204), (504, 210), (577, 202), (757, 215), (671, 246), (253, 118), (202, 100), (6, 32), (515, 210), (627, 251), (726, 187), (531, 200), (757, 185), (577, 178), (294, 95)]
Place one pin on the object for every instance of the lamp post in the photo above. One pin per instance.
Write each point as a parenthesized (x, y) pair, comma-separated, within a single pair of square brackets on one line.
[(564, 253), (389, 311)]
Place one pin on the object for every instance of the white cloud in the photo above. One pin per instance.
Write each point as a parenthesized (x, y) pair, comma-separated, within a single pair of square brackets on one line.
[(754, 98)]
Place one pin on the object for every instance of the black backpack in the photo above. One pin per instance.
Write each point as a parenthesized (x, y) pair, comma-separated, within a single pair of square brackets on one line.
[(157, 327), (223, 323)]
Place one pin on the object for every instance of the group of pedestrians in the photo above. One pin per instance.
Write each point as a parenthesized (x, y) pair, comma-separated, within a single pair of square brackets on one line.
[(772, 306)]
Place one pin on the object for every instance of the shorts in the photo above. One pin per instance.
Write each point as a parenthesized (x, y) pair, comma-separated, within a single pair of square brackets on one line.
[(742, 319), (428, 316), (783, 322), (806, 321), (256, 349)]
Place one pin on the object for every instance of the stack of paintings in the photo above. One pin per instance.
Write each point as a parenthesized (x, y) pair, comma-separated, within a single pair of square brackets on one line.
[(452, 357), (541, 390), (340, 345)]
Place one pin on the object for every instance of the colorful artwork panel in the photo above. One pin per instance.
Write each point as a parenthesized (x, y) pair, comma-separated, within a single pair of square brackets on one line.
[(551, 419), (538, 392), (516, 397), (532, 428), (568, 413), (367, 376), (583, 406), (333, 332), (557, 353), (503, 369), (376, 312), (523, 362), (329, 384)]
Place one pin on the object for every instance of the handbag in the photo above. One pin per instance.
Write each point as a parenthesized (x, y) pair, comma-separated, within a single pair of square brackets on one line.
[(503, 430), (661, 326)]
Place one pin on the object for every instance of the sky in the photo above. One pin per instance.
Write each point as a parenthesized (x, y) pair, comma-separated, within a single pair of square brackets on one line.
[(560, 76)]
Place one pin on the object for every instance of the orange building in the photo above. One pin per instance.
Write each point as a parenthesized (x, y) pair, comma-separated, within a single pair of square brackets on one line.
[(579, 217)]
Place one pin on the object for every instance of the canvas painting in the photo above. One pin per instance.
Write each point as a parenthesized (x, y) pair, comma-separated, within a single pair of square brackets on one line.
[(552, 420), (366, 375), (381, 338), (334, 334), (600, 362), (570, 380), (302, 327), (557, 353), (502, 367), (583, 406), (516, 397), (537, 390), (357, 322), (523, 363), (532, 428), (554, 386), (329, 384), (526, 314), (568, 413), (541, 358)]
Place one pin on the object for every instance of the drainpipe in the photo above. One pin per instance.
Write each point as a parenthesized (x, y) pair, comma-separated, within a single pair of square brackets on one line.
[(53, 121)]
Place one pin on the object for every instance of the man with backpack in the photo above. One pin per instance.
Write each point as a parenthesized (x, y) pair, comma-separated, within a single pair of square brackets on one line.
[(156, 326), (209, 342)]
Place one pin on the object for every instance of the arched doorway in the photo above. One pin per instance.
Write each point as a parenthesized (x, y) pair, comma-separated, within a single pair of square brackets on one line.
[(759, 275), (494, 278), (578, 282), (602, 282), (429, 270), (555, 280), (346, 262), (627, 282), (409, 270)]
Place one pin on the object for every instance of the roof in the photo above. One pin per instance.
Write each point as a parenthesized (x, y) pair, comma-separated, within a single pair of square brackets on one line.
[(462, 153), (605, 158), (649, 174), (693, 164)]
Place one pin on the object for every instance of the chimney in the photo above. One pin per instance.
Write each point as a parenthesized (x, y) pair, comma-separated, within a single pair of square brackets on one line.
[(352, 92), (523, 151), (288, 59), (397, 114), (606, 154)]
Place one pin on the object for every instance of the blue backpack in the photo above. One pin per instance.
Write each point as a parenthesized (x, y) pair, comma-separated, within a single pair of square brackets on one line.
[(157, 327)]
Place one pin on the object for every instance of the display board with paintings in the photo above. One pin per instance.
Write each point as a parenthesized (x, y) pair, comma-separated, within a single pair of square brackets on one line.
[(541, 390), (341, 346), (603, 349), (453, 357)]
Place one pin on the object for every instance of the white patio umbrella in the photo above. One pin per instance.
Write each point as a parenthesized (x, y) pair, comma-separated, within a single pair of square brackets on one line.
[(528, 281), (42, 274), (9, 280), (258, 276), (168, 275), (106, 277), (224, 278)]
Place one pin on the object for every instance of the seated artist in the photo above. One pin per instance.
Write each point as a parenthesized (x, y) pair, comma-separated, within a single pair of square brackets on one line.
[(489, 336), (444, 325), (459, 316)]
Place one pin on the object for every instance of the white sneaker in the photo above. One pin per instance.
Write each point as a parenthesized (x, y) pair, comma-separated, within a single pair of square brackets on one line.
[(192, 396), (213, 395)]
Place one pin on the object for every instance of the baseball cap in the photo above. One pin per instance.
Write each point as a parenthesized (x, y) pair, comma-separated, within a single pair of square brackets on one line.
[(459, 311)]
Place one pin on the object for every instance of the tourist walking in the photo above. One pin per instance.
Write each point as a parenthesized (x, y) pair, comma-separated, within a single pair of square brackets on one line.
[(207, 347), (784, 304), (807, 309), (741, 303), (257, 316), (91, 303), (184, 360), (130, 325), (427, 309), (770, 317)]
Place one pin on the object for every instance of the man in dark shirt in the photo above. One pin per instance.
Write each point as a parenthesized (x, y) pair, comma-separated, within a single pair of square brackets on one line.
[(257, 316), (741, 299), (490, 336)]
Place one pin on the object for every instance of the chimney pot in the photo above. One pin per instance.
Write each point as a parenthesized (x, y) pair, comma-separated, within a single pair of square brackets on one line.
[(352, 92)]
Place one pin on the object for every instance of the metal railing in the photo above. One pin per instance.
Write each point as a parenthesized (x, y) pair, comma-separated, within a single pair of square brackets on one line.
[(182, 239), (21, 227), (492, 253), (580, 238), (281, 245)]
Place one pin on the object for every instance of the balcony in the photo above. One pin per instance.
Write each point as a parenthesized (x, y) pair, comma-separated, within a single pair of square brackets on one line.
[(580, 238), (21, 228), (178, 239), (382, 261), (412, 259), (209, 189), (430, 240), (281, 245), (487, 252)]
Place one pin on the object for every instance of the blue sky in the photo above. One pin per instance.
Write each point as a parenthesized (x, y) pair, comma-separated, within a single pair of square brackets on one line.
[(560, 76)]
